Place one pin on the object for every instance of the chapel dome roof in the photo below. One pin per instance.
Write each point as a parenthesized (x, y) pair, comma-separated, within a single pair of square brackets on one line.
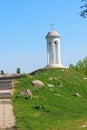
[(53, 33)]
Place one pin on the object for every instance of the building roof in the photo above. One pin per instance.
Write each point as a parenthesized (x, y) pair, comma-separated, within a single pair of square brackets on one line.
[(53, 33)]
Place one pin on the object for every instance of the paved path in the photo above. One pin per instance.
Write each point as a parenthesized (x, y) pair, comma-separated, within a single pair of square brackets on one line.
[(7, 118)]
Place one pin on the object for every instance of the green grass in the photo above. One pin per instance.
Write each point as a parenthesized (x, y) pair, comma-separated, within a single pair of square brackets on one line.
[(64, 112)]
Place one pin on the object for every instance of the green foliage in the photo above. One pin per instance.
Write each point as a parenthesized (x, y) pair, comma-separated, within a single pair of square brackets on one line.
[(18, 70), (2, 72), (71, 66), (81, 66), (46, 111), (84, 9)]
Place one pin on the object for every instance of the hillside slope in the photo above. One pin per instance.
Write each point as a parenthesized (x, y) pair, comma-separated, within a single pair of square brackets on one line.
[(52, 108)]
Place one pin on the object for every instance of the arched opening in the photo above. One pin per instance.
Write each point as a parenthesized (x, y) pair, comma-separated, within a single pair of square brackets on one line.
[(55, 51)]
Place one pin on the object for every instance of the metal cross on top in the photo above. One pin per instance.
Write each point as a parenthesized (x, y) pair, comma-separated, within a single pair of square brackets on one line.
[(52, 26)]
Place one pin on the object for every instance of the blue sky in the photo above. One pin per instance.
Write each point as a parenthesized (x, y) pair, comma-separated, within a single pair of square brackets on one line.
[(24, 25)]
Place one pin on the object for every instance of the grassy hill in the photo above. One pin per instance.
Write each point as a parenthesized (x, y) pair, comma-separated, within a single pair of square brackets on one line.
[(52, 108)]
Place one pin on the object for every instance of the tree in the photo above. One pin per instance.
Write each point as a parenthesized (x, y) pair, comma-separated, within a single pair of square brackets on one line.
[(2, 72), (18, 70), (71, 66), (83, 12), (85, 65), (81, 66)]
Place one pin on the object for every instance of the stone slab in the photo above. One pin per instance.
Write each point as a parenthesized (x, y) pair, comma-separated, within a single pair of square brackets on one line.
[(7, 118)]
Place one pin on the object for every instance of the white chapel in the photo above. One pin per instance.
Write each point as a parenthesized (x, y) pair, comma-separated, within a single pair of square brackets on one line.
[(53, 50)]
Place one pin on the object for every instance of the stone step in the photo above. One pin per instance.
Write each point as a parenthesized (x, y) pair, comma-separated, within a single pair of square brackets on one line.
[(5, 84), (6, 128), (5, 95), (5, 88), (5, 101)]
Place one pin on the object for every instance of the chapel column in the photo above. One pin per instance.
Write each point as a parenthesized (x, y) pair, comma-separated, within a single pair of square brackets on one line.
[(58, 61)]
